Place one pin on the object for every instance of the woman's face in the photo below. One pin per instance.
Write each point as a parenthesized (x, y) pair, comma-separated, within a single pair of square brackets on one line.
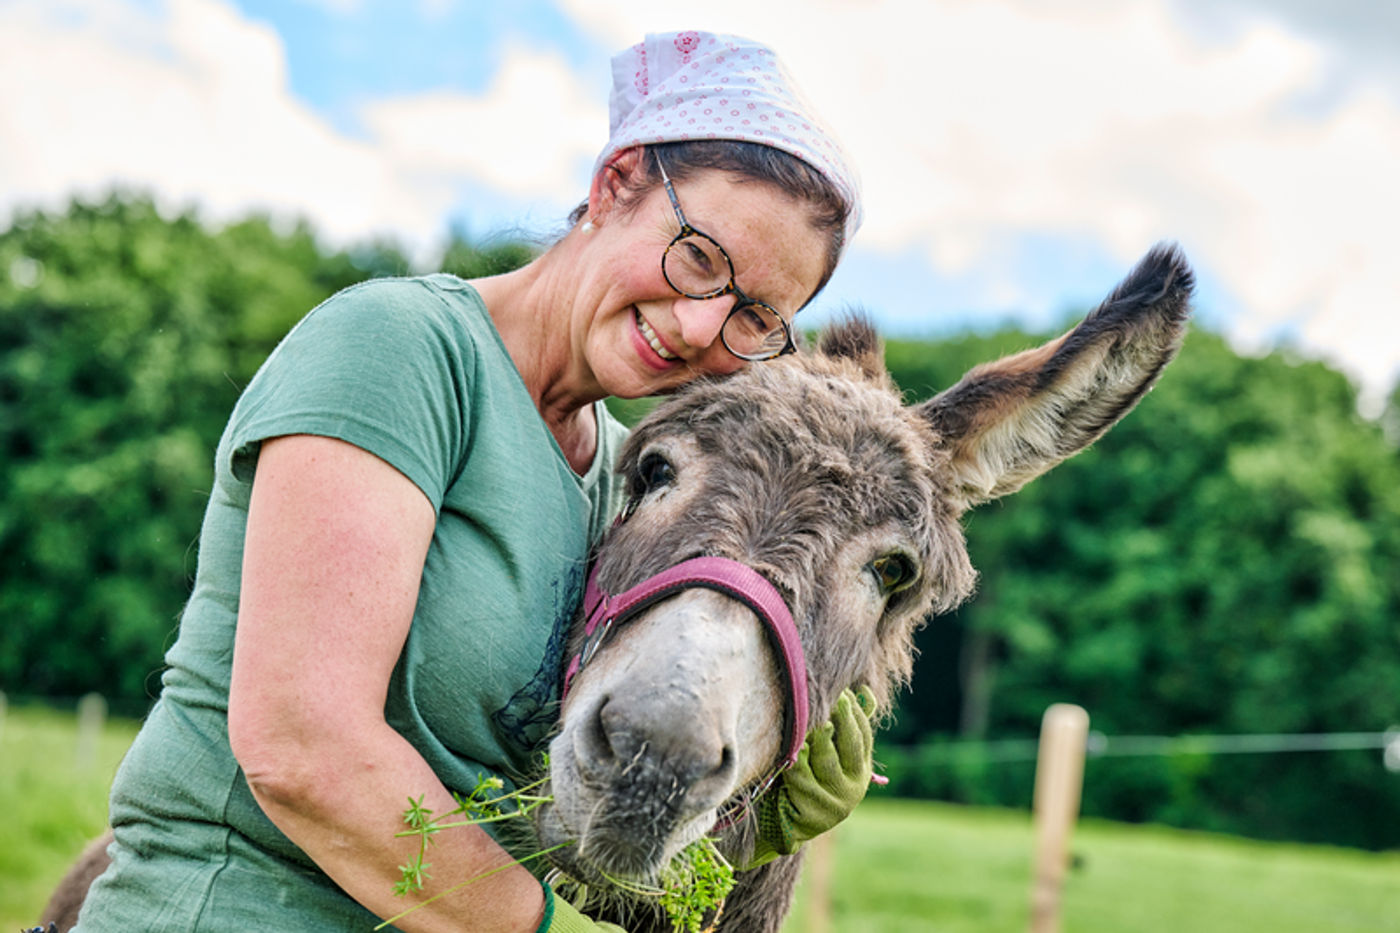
[(640, 337)]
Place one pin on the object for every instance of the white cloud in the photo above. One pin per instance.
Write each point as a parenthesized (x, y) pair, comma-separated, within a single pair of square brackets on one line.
[(974, 124), (527, 135), (191, 103)]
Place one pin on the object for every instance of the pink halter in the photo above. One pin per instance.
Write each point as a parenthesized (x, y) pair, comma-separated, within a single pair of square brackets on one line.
[(717, 573)]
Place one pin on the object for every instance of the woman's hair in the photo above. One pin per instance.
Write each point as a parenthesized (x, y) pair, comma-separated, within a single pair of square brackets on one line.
[(755, 162)]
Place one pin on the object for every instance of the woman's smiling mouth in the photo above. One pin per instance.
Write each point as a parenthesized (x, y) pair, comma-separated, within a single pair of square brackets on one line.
[(652, 340)]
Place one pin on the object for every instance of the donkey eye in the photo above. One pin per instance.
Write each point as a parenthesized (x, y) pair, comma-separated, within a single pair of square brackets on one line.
[(892, 572), (653, 471)]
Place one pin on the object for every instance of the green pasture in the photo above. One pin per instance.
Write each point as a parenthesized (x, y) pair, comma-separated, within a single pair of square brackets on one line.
[(901, 866), (52, 802), (897, 865)]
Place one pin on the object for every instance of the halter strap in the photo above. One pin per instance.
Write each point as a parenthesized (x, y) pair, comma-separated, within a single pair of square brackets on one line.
[(730, 577)]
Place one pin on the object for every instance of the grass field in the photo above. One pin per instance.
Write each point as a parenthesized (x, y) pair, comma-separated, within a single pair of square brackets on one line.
[(896, 865), (51, 803), (917, 866)]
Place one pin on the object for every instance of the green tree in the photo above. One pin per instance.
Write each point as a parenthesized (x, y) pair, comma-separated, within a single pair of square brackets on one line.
[(125, 338), (1222, 561)]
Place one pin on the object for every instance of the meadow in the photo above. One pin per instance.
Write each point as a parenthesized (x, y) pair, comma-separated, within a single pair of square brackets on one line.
[(901, 866), (53, 800), (896, 866)]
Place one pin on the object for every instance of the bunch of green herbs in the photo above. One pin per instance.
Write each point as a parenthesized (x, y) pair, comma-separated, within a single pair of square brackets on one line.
[(691, 888)]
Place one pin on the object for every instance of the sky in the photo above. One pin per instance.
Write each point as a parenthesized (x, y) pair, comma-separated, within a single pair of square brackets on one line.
[(1017, 156)]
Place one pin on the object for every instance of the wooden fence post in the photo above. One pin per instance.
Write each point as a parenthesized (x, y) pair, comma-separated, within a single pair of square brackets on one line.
[(1059, 778), (92, 713), (820, 856)]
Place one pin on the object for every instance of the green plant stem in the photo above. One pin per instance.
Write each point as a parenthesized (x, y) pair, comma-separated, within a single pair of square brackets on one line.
[(457, 887), (634, 887), (436, 826)]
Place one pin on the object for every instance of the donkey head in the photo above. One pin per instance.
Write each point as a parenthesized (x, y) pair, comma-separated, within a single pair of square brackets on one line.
[(811, 471)]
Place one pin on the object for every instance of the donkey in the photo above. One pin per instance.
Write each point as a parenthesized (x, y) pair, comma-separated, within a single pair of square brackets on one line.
[(788, 529), (841, 506)]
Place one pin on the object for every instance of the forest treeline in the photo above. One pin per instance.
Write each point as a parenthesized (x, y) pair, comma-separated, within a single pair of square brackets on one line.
[(1227, 560)]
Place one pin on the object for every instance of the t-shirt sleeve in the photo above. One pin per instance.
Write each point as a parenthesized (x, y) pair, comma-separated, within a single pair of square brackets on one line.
[(384, 366)]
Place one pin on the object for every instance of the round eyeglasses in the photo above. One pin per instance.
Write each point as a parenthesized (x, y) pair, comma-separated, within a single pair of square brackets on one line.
[(696, 266)]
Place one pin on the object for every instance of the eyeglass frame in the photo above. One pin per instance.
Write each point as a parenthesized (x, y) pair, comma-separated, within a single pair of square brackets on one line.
[(743, 301)]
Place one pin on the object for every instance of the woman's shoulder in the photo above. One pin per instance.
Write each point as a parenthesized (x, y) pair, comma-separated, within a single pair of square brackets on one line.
[(424, 295), (402, 314)]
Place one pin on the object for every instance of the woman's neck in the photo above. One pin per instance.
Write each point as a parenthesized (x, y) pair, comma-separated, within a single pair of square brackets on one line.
[(535, 324)]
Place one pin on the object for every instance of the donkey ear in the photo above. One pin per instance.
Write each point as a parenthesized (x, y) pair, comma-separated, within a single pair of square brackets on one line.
[(854, 338), (1009, 421)]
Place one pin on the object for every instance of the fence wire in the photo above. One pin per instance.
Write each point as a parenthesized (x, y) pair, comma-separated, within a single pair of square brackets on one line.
[(1099, 745)]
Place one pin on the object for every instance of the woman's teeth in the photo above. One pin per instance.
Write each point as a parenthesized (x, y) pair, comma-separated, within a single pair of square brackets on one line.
[(650, 336)]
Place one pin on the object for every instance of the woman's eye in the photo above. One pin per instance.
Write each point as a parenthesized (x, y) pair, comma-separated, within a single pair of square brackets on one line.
[(892, 572), (653, 471), (698, 257), (757, 322)]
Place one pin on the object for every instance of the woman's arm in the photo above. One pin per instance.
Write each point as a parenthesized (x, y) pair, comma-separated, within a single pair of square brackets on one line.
[(334, 554)]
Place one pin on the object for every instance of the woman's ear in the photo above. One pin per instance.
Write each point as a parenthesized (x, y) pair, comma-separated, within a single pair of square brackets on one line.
[(611, 182)]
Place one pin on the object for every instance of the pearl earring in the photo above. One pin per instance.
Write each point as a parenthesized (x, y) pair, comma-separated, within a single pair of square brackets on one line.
[(586, 227)]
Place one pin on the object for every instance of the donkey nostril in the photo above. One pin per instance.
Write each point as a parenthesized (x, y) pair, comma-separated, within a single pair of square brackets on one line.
[(714, 779), (616, 735), (726, 760), (597, 744)]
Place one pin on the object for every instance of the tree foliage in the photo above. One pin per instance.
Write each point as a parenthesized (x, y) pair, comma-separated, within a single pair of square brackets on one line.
[(125, 338), (1222, 561)]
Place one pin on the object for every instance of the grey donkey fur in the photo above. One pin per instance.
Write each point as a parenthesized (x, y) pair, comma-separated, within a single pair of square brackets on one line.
[(810, 469)]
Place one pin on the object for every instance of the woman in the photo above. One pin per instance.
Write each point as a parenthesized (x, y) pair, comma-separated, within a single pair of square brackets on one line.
[(404, 500)]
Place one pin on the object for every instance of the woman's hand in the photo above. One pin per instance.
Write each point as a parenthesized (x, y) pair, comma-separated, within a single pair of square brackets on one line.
[(562, 917), (830, 777)]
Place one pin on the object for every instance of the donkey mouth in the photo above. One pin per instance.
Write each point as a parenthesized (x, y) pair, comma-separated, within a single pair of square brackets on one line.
[(599, 834), (613, 844)]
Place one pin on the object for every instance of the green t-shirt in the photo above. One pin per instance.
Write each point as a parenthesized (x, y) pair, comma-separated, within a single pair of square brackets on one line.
[(413, 371)]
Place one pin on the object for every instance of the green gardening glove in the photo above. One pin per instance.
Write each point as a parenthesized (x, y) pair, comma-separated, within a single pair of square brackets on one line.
[(830, 777), (562, 917)]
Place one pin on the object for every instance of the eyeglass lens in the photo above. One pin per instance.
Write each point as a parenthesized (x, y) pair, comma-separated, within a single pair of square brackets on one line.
[(697, 267), (754, 330)]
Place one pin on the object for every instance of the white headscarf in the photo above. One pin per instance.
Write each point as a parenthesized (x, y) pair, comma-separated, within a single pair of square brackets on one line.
[(679, 86)]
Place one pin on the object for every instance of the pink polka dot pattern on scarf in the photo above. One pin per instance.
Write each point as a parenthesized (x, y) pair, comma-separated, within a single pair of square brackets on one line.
[(696, 85)]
